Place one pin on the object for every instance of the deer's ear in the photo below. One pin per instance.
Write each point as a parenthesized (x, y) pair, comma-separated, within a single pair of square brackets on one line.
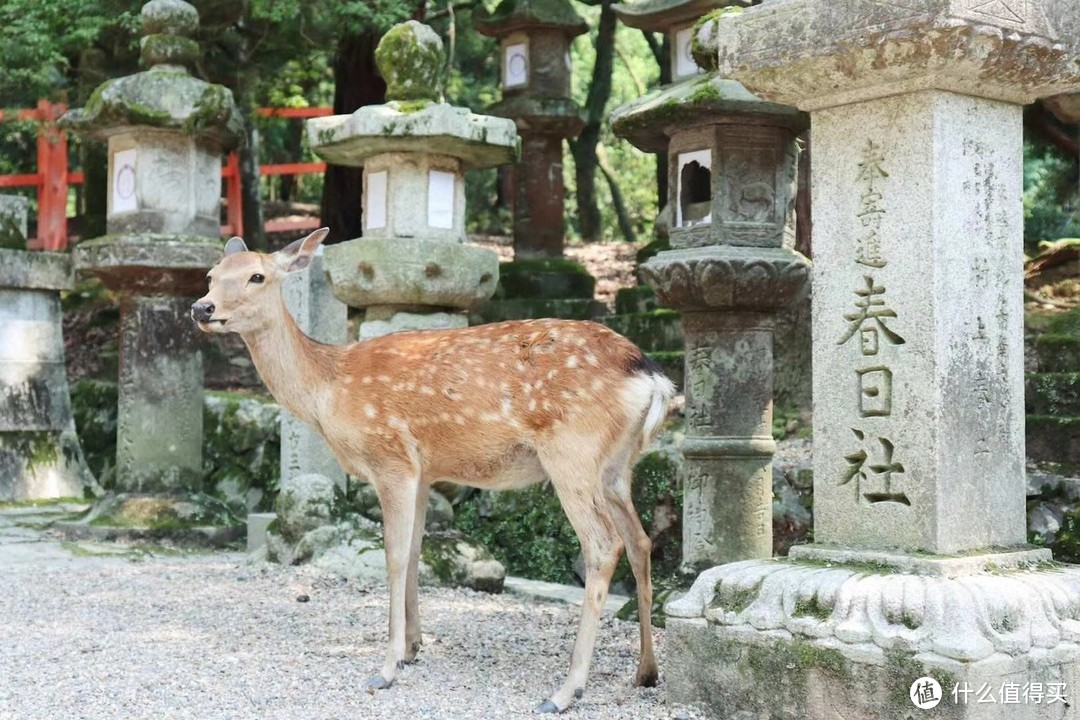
[(297, 255), (235, 245)]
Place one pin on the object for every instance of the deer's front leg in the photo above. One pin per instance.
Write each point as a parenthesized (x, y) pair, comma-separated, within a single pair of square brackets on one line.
[(397, 497), (412, 582)]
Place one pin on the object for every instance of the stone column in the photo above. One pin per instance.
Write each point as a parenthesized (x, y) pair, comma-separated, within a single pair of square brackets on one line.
[(732, 164), (412, 269), (166, 131), (920, 586), (535, 61), (40, 455), (325, 318)]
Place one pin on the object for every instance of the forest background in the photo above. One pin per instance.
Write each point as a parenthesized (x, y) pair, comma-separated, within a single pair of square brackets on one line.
[(320, 53)]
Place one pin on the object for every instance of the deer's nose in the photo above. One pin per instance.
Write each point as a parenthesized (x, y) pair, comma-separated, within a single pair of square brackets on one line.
[(202, 311)]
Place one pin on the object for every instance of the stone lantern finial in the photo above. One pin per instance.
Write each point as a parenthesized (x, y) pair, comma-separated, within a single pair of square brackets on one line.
[(411, 60), (167, 27)]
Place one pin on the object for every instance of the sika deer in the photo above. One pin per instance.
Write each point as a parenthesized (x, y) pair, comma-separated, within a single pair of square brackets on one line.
[(494, 406)]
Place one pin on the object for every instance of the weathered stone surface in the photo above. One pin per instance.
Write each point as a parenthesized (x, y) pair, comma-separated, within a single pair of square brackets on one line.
[(321, 316), (40, 455), (650, 121), (728, 278), (160, 417), (187, 518), (513, 15), (539, 194), (411, 60), (820, 53), (478, 140), (412, 321), (25, 270), (918, 375), (14, 210), (164, 96), (150, 263), (857, 636), (304, 503), (405, 202), (411, 272), (660, 15)]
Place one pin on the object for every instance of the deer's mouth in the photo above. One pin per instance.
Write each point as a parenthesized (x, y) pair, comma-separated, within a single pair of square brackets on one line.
[(208, 325)]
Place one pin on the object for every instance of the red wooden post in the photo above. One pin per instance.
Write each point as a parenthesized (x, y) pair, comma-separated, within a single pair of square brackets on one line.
[(235, 211), (52, 178)]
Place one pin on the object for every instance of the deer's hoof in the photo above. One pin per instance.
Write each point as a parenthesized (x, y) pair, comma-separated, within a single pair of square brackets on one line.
[(547, 707), (378, 682), (647, 678)]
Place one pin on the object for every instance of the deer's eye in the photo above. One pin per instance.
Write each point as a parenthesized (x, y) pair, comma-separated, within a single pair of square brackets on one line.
[(256, 278), (208, 280)]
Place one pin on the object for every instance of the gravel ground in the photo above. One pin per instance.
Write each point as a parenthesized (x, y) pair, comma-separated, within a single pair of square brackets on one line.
[(87, 633)]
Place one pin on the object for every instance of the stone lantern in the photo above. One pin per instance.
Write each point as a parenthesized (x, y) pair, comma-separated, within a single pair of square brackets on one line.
[(920, 588), (675, 19), (40, 455), (535, 37), (411, 269), (166, 132), (730, 270)]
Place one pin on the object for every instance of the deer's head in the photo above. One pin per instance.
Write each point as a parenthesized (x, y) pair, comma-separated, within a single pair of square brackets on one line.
[(245, 286)]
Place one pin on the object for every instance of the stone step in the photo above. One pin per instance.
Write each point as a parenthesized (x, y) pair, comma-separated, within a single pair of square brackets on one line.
[(545, 278), (637, 299), (1055, 394), (531, 308), (654, 331), (1054, 439), (1058, 353), (673, 363)]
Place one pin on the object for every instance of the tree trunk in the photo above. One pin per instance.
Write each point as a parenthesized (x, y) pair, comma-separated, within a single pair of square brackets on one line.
[(356, 83), (584, 147), (625, 224)]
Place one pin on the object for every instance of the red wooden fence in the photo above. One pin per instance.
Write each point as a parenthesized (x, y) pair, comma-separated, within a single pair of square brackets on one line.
[(53, 176)]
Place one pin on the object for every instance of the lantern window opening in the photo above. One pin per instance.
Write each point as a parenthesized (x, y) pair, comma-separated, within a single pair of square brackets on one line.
[(516, 62), (683, 62), (375, 194), (694, 186)]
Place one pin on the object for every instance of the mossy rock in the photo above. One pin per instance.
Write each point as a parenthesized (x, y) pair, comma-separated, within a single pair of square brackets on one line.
[(1054, 439), (1058, 353), (544, 279), (410, 58), (530, 309), (653, 248), (1053, 394), (654, 331), (637, 299)]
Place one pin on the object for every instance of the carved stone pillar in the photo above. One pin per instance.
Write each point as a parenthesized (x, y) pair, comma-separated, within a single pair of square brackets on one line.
[(731, 164)]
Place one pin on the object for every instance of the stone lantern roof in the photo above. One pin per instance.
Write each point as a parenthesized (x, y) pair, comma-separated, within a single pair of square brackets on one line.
[(165, 95), (410, 58), (661, 15), (647, 122), (525, 15)]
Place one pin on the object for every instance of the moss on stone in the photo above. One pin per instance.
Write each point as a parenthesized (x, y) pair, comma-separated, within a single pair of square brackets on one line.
[(544, 278), (410, 58), (653, 248), (812, 607)]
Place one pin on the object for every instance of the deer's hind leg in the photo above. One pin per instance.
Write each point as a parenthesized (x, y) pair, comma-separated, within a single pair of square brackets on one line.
[(617, 489), (582, 499)]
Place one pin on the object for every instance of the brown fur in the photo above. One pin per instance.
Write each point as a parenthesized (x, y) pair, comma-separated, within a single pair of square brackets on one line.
[(493, 406)]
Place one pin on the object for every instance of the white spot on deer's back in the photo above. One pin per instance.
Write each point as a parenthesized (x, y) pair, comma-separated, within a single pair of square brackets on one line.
[(572, 361), (369, 410)]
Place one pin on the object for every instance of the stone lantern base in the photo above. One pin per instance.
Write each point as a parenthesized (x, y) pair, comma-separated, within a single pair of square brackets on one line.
[(40, 455), (159, 472), (828, 634)]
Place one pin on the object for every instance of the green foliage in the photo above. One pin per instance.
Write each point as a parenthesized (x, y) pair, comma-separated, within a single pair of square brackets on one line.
[(1051, 199), (526, 530)]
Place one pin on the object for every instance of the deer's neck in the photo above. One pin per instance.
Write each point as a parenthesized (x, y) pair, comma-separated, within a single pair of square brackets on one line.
[(296, 369)]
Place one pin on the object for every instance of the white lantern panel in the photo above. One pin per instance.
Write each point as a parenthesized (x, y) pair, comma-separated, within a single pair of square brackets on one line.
[(440, 209), (375, 191), (123, 182), (684, 59), (516, 65)]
